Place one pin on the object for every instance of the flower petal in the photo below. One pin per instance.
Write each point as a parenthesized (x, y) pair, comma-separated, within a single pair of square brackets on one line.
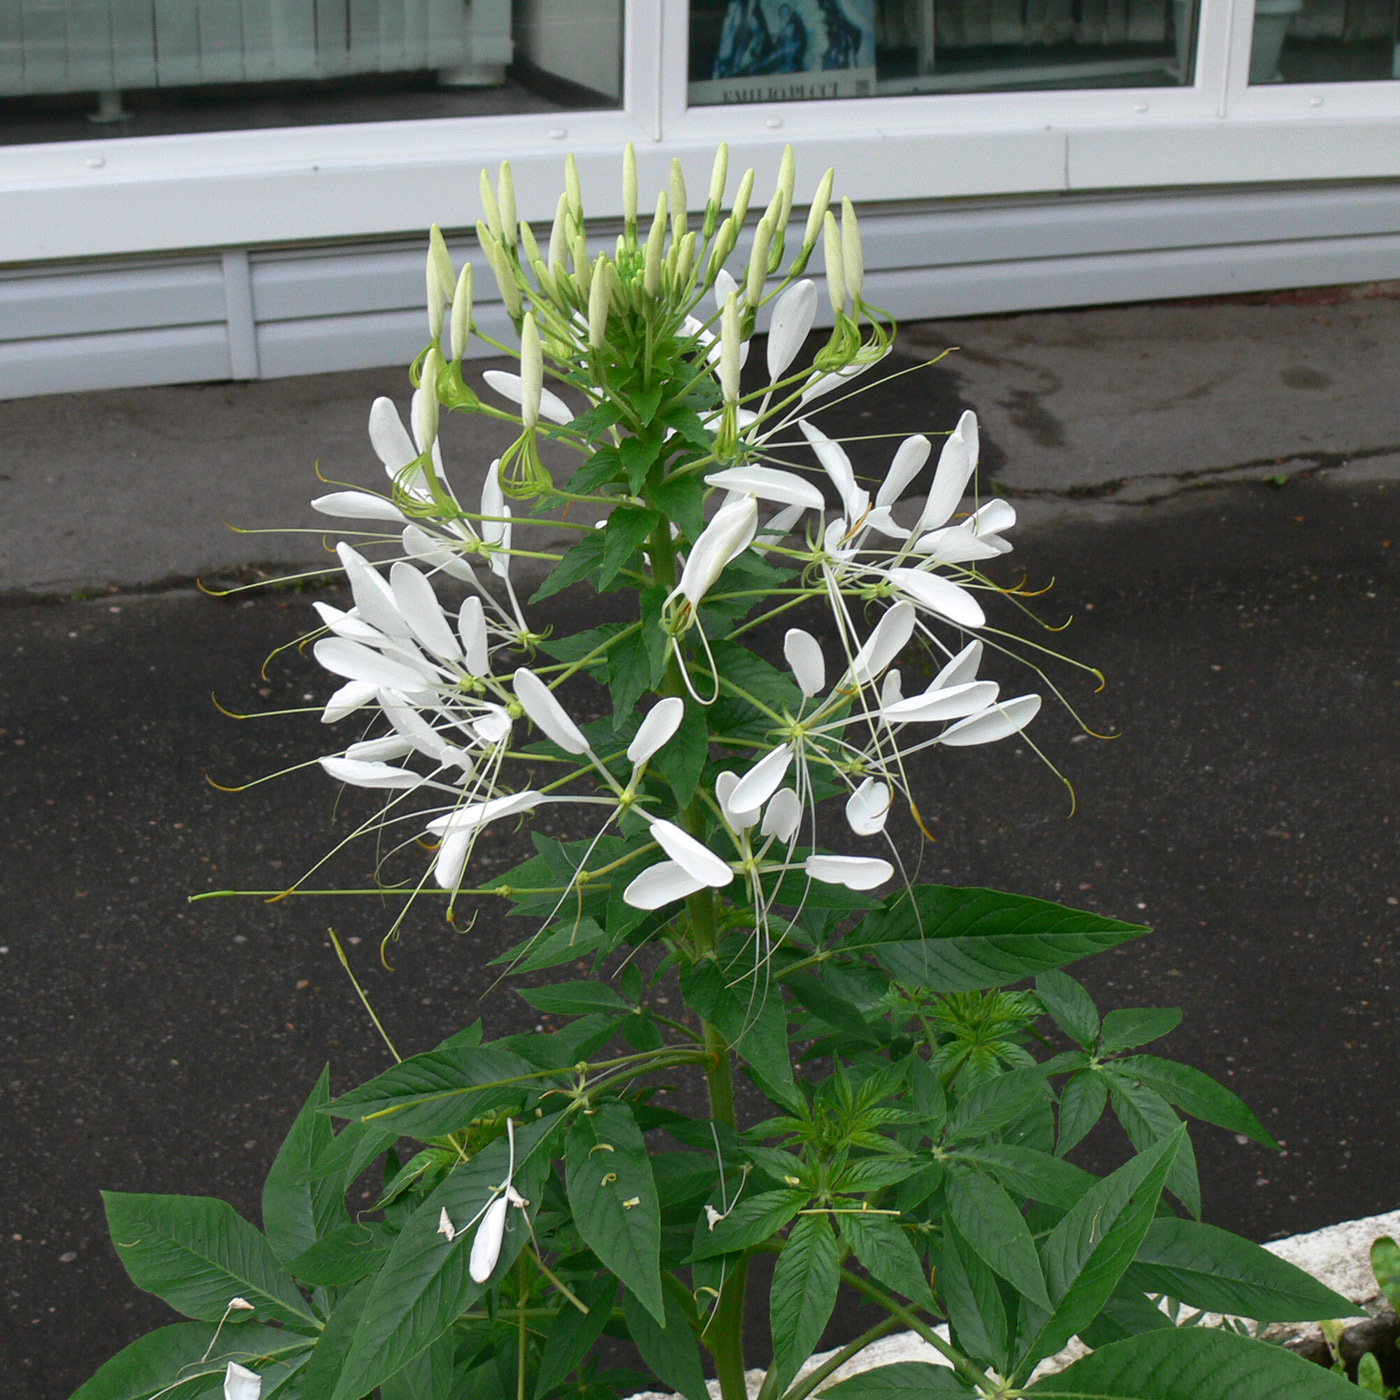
[(547, 713), (657, 729), (697, 860), (908, 463), (358, 663), (486, 1245), (947, 702), (762, 780), (961, 668), (378, 750), (241, 1384), (997, 722), (793, 315), (739, 820), (783, 814), (939, 595), (868, 807), (370, 775), (509, 386), (769, 484), (349, 624), (958, 544), (374, 599), (855, 872), (804, 655), (350, 697), (884, 643), (837, 466), (389, 438), (420, 545), (471, 627), (419, 607), (660, 884), (722, 540), (956, 464), (357, 505)]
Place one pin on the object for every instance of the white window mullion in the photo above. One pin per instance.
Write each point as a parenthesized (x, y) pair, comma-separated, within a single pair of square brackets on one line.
[(644, 35)]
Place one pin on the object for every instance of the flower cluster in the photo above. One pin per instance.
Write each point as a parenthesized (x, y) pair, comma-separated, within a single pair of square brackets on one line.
[(710, 506)]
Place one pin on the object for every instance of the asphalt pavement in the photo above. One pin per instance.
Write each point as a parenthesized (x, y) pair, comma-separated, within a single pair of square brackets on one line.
[(1220, 523)]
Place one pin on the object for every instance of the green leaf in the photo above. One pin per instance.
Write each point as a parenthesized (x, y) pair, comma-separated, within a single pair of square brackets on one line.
[(436, 1093), (576, 564), (574, 999), (976, 1311), (1385, 1264), (629, 672), (639, 454), (1194, 1363), (1088, 1252), (803, 1294), (197, 1253), (1070, 1007), (904, 1380), (1209, 1268), (323, 1370), (689, 427), (1147, 1118), (424, 1284), (154, 1363), (682, 498), (749, 1222), (1368, 1375), (1125, 1030), (1082, 1102), (572, 1333), (835, 1012), (756, 1027), (1035, 1175), (624, 534), (995, 1103), (427, 1377), (613, 1197), (603, 467), (297, 1210), (950, 939), (683, 760), (888, 1256), (988, 1220), (1197, 1094), (670, 1351), (343, 1257)]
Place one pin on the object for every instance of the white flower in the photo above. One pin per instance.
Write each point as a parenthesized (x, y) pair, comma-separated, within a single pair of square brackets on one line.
[(547, 713), (720, 542), (855, 872), (240, 1383)]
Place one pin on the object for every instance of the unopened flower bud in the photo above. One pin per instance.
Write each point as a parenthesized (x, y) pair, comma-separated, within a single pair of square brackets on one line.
[(629, 189), (852, 258), (787, 179), (656, 240), (816, 216), (758, 263), (425, 408), (506, 187), (489, 205), (505, 275), (582, 267), (719, 175), (835, 272), (685, 260), (527, 242), (441, 276), (598, 300), (679, 211), (559, 233), (572, 188), (729, 349), (531, 371), (462, 311), (741, 199), (724, 245)]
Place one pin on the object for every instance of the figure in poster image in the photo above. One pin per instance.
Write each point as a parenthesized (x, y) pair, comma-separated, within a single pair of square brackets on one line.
[(842, 36), (745, 41)]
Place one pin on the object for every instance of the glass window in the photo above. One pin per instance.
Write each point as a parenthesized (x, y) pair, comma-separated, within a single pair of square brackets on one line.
[(1325, 41), (72, 69), (783, 50)]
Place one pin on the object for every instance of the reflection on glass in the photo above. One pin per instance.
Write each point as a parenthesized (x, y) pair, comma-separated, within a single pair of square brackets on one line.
[(781, 50), (1325, 41), (145, 67)]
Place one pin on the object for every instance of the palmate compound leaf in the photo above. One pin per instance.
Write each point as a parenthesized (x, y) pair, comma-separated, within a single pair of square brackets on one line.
[(1205, 1267), (435, 1093), (887, 1254), (176, 1361), (954, 940), (197, 1253), (424, 1284), (804, 1293), (987, 1218), (671, 1351), (297, 1209), (612, 1194), (1087, 1253), (1194, 1363)]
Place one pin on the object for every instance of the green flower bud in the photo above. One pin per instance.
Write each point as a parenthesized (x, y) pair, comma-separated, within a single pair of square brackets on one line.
[(527, 241), (573, 189), (741, 200), (758, 263), (816, 216), (488, 204), (629, 191), (835, 271), (599, 298), (679, 212), (462, 312), (559, 233), (506, 187), (425, 412), (719, 175), (787, 179), (852, 258), (656, 241), (531, 371), (729, 349)]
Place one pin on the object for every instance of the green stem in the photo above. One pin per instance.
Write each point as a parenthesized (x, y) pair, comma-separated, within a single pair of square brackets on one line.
[(918, 1325), (799, 1390)]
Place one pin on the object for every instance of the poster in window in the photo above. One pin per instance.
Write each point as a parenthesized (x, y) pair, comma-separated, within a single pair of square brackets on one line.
[(780, 50)]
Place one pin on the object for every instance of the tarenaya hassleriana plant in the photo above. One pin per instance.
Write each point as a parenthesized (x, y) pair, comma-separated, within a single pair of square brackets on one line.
[(543, 1195)]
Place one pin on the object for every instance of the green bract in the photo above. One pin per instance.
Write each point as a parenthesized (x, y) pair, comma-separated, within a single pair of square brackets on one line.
[(541, 1194)]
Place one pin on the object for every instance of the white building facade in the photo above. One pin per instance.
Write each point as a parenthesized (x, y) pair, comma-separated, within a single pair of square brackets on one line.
[(196, 190)]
